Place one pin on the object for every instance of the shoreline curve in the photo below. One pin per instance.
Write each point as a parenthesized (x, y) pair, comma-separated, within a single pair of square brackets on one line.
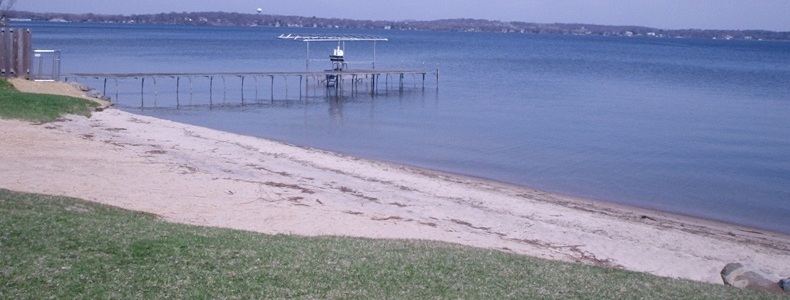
[(200, 176)]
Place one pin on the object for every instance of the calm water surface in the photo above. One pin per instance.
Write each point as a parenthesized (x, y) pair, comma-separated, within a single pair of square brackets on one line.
[(697, 127)]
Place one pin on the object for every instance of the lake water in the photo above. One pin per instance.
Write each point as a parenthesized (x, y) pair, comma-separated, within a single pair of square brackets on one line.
[(697, 127)]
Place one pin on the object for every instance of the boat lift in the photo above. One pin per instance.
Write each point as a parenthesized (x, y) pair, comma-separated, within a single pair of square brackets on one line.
[(337, 58)]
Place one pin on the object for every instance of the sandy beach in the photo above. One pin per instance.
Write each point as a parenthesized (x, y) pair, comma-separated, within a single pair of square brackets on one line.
[(205, 177)]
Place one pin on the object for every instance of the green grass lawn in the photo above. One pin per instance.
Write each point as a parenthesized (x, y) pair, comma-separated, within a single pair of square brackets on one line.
[(55, 247), (39, 107)]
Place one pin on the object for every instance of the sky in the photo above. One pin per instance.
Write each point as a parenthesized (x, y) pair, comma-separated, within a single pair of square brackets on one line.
[(663, 14)]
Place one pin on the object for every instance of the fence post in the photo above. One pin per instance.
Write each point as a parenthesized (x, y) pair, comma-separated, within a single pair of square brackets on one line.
[(15, 52), (5, 51), (25, 54)]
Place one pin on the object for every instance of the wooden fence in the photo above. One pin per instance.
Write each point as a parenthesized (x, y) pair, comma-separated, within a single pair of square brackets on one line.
[(15, 51)]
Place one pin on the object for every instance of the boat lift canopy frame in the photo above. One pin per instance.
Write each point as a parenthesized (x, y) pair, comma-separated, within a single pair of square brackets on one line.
[(341, 39)]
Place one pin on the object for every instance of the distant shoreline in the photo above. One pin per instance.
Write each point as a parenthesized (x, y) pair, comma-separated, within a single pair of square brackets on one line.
[(452, 25)]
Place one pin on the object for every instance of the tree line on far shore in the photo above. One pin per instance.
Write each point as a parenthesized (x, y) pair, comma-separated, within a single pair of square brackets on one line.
[(468, 25)]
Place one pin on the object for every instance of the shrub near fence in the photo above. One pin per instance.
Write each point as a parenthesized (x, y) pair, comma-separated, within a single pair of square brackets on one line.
[(15, 50)]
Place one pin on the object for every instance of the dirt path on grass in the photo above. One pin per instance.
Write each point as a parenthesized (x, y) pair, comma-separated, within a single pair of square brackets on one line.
[(205, 177)]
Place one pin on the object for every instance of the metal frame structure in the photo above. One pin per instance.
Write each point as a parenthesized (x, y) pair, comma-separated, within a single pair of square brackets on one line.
[(53, 74), (340, 38)]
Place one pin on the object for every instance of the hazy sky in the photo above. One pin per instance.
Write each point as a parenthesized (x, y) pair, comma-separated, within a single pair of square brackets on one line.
[(666, 14)]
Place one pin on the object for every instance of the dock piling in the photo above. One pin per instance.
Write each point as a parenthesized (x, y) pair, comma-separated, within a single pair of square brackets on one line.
[(178, 85), (142, 93), (224, 91), (272, 76), (156, 92), (211, 92), (190, 90), (255, 78), (242, 90)]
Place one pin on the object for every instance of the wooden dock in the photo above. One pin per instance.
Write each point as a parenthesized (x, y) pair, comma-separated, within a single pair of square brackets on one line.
[(334, 80)]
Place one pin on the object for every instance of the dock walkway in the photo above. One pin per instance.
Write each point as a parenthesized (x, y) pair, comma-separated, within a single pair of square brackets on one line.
[(337, 80)]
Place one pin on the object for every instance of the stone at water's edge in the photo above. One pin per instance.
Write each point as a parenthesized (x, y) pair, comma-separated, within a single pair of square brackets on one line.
[(739, 276), (785, 284)]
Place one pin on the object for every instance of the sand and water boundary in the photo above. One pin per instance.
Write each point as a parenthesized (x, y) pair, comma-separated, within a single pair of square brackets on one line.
[(200, 176)]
